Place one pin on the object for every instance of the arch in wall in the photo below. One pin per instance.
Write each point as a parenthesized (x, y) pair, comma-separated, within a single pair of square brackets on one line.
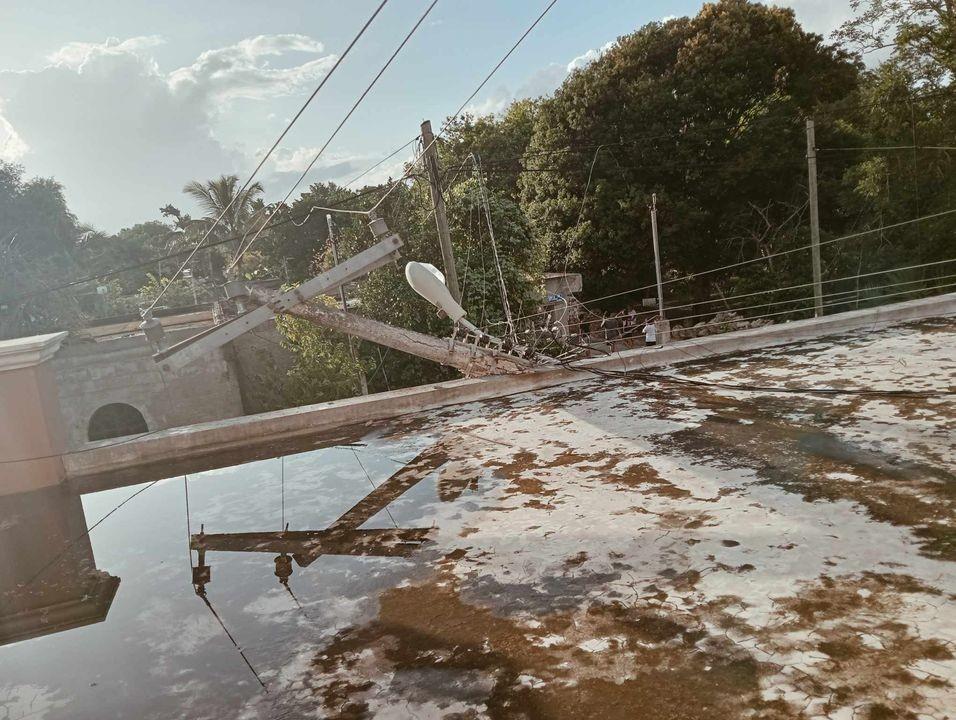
[(115, 420)]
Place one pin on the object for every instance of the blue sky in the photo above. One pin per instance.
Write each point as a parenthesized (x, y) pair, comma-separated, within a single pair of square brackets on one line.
[(124, 101)]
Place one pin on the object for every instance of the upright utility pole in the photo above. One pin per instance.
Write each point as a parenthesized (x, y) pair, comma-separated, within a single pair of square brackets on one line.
[(441, 220), (814, 219), (657, 256), (363, 381)]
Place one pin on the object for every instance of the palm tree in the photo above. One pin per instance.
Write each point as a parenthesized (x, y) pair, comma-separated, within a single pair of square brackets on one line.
[(214, 196)]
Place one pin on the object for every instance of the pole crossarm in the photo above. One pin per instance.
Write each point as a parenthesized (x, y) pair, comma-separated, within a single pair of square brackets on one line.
[(306, 546), (185, 352)]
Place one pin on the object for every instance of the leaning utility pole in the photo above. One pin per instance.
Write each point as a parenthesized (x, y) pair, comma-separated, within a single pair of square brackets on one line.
[(363, 381), (814, 219), (438, 201)]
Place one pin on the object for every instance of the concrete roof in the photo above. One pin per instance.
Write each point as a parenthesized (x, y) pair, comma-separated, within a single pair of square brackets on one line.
[(612, 548), (628, 550)]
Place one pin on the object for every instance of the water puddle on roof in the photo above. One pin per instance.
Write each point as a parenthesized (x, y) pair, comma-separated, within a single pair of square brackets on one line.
[(614, 549)]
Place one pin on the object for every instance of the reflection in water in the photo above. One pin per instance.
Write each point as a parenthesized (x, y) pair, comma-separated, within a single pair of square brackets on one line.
[(48, 576), (163, 653), (342, 537)]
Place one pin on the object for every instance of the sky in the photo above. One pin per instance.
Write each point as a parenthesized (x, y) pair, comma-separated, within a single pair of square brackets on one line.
[(125, 101)]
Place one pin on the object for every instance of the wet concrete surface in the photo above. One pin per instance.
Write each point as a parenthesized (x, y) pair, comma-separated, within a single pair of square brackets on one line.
[(613, 549)]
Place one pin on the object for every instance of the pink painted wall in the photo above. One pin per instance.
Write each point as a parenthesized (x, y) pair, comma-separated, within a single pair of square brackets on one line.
[(30, 426)]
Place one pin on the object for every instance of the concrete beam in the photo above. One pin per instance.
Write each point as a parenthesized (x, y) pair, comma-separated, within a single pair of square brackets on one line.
[(209, 438)]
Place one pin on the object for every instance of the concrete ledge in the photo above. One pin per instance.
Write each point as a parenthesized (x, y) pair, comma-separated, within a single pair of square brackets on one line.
[(214, 437)]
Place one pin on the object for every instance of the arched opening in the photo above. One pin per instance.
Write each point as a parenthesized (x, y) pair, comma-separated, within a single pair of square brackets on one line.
[(116, 420)]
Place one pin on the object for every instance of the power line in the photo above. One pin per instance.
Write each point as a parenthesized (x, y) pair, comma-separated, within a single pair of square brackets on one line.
[(810, 284), (335, 132), (753, 260), (886, 148), (268, 153), (858, 291), (180, 253), (380, 162), (471, 97)]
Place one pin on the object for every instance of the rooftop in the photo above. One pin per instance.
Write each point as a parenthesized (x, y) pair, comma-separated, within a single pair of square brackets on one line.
[(616, 548)]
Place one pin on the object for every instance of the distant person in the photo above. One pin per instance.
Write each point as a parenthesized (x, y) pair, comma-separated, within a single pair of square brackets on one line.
[(631, 318), (650, 332)]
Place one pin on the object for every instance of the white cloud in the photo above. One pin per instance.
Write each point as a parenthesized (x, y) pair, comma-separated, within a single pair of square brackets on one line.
[(543, 82), (243, 70), (494, 103), (287, 164), (589, 57), (74, 54), (12, 146), (124, 137)]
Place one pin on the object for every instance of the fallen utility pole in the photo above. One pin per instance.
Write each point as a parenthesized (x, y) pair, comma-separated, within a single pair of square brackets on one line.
[(438, 201), (473, 362), (814, 219)]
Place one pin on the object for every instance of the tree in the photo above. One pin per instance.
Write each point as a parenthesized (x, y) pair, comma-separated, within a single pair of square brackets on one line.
[(499, 142), (245, 208), (34, 217), (921, 33), (706, 112), (321, 369), (38, 236)]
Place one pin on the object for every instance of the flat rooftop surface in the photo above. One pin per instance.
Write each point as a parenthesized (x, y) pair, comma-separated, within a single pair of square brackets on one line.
[(617, 548)]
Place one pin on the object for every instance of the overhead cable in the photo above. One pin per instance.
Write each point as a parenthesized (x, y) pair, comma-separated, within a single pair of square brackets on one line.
[(269, 152), (355, 105), (691, 276), (471, 97)]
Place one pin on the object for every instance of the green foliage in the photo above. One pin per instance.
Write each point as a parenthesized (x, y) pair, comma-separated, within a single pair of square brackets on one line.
[(34, 219), (921, 33), (178, 294), (38, 235), (704, 112), (325, 368)]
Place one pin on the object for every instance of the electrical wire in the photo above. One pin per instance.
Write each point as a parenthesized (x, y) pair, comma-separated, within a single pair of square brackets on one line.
[(84, 534), (335, 132), (471, 97), (810, 284), (858, 291), (691, 276), (380, 162), (153, 261), (885, 148), (269, 152), (831, 304)]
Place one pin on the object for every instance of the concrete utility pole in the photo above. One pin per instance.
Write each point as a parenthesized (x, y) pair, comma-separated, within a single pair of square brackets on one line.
[(814, 219), (664, 329), (441, 220), (363, 381), (459, 355)]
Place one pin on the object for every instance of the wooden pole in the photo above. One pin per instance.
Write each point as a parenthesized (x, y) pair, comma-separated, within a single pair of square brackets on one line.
[(441, 219)]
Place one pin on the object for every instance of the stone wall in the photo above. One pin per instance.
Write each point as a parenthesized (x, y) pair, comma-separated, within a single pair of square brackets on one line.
[(92, 374), (261, 363)]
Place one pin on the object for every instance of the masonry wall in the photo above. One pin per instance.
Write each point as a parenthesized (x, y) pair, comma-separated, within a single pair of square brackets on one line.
[(91, 375), (261, 363)]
